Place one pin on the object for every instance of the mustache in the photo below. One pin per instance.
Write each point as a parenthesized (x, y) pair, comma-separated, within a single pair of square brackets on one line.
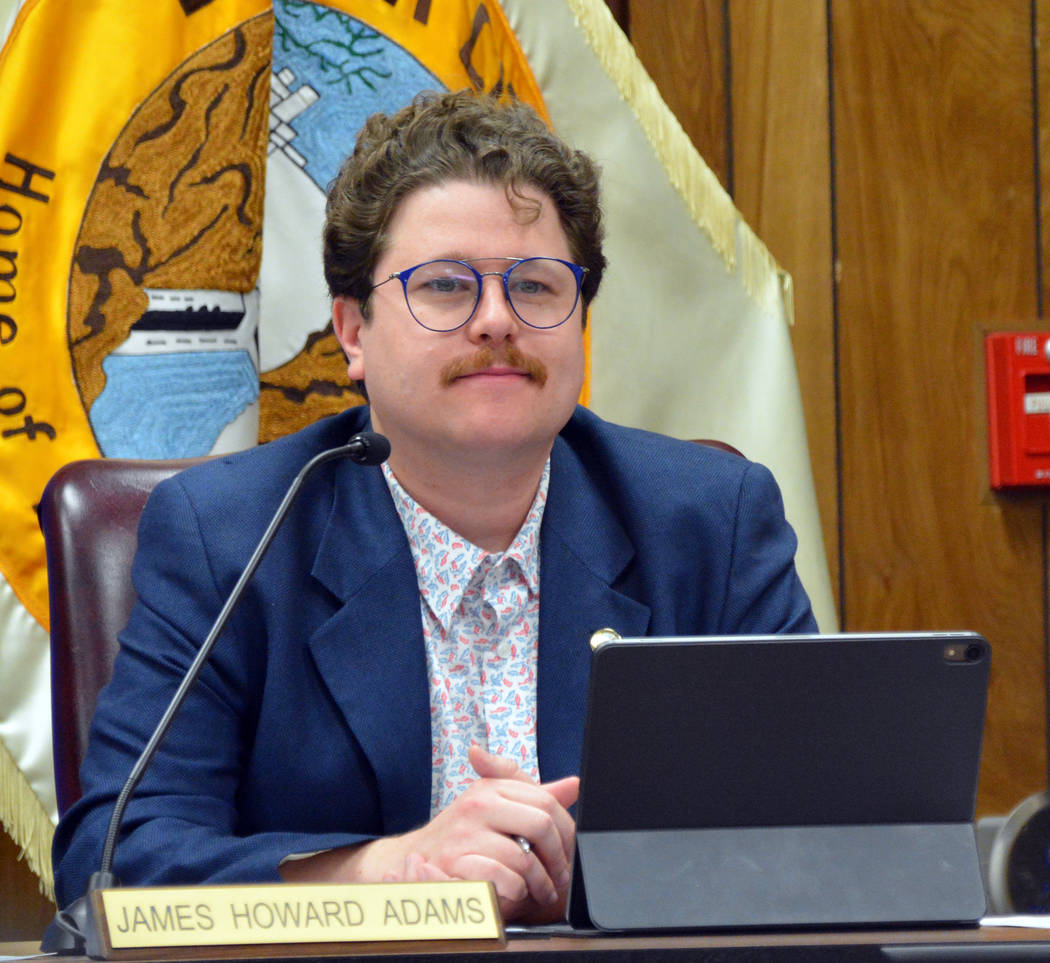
[(485, 357)]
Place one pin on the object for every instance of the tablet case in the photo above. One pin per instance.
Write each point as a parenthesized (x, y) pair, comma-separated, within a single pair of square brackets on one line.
[(781, 781)]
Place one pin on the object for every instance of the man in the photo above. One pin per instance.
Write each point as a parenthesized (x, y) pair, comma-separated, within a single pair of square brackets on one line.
[(400, 694)]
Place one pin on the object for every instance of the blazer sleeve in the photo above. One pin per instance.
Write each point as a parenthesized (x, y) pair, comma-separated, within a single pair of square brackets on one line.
[(763, 593), (183, 823)]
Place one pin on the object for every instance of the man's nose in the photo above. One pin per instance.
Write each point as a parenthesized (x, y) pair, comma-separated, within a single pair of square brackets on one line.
[(493, 319)]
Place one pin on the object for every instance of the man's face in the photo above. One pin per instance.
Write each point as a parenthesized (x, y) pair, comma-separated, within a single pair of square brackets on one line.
[(494, 385)]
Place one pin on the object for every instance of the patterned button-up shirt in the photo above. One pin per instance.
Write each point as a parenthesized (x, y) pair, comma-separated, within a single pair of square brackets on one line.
[(481, 631)]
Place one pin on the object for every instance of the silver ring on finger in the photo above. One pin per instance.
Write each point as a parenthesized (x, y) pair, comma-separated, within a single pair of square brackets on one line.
[(526, 846)]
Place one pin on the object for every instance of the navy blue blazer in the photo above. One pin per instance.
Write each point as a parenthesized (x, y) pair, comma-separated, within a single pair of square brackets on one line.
[(309, 726)]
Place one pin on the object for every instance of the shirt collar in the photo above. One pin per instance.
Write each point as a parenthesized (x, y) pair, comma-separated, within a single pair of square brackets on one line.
[(446, 562)]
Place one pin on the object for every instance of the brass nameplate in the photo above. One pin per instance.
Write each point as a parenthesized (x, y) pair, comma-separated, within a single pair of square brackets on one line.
[(238, 915)]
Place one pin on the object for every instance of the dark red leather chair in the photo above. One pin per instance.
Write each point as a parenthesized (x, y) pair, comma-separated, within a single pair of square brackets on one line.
[(89, 514), (722, 445)]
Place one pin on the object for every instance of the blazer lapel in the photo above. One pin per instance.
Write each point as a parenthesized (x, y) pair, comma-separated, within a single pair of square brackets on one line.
[(584, 549), (371, 656), (370, 653)]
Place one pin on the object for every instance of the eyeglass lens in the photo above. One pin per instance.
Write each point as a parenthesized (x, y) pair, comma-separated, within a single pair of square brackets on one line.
[(442, 295)]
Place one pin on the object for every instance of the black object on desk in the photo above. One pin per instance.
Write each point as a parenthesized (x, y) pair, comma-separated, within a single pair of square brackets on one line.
[(781, 781)]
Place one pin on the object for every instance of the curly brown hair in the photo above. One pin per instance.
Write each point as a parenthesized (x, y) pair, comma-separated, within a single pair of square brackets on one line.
[(454, 136)]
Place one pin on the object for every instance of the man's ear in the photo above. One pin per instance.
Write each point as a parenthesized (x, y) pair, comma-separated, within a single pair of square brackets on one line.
[(347, 321)]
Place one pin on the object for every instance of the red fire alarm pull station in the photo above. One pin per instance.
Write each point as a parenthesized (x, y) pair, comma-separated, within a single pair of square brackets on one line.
[(1018, 370)]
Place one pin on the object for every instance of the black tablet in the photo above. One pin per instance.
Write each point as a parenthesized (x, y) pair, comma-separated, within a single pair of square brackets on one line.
[(771, 781)]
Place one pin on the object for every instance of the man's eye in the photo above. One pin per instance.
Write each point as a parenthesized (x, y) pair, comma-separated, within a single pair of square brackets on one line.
[(448, 285), (530, 288)]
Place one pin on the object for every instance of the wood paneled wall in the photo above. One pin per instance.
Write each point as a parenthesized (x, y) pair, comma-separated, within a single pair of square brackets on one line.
[(24, 913), (891, 154)]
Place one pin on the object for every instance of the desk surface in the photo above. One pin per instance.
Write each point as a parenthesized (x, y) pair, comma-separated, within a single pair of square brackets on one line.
[(1004, 944)]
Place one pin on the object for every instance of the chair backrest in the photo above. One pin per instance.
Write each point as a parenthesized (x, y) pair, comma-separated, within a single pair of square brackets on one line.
[(721, 445), (89, 514)]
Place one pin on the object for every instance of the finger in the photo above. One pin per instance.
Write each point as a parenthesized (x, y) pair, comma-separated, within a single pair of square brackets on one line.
[(544, 880), (510, 886), (488, 765), (517, 808), (566, 790), (419, 870), (528, 909), (518, 877), (429, 873), (485, 819), (536, 813), (413, 861)]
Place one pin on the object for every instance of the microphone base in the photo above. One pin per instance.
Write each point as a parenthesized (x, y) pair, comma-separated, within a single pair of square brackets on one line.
[(75, 930)]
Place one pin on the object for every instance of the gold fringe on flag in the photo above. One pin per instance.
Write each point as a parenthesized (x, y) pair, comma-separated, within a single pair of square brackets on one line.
[(711, 208), (26, 821)]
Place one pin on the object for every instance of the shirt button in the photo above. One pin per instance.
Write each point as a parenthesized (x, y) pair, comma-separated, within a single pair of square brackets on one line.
[(503, 650)]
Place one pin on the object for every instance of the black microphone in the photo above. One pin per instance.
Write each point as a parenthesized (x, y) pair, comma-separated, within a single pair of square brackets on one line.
[(74, 928), (366, 448)]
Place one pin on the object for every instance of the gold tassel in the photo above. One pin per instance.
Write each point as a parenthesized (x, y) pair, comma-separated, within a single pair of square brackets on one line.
[(706, 200), (26, 821)]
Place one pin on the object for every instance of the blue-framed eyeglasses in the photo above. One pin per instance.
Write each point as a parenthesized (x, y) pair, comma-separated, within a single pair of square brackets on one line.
[(443, 295)]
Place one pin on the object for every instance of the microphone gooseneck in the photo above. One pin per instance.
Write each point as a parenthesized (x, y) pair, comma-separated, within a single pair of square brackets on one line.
[(364, 448)]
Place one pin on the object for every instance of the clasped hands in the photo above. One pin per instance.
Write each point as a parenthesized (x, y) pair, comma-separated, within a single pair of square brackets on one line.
[(475, 838)]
